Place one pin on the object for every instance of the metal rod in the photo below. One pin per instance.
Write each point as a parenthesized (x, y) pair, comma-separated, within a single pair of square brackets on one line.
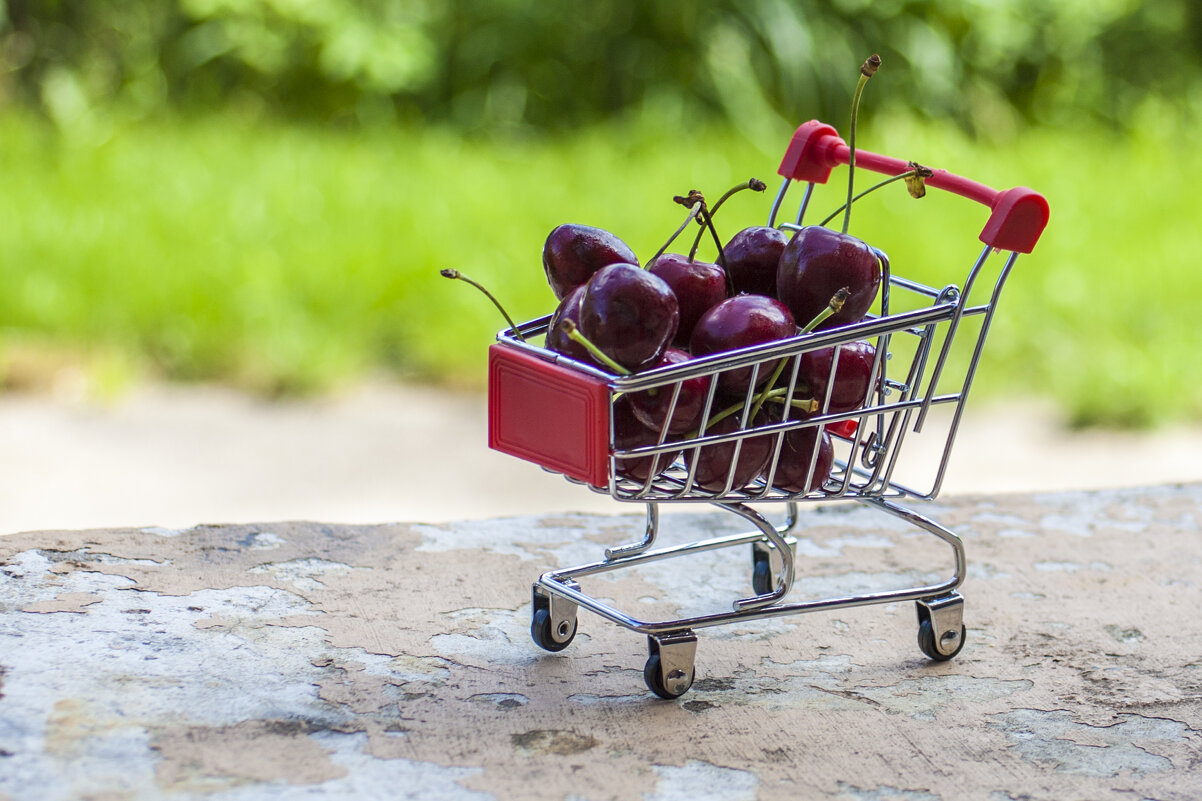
[(559, 582)]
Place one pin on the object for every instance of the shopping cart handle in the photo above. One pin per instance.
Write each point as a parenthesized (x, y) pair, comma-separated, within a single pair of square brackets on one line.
[(1017, 218)]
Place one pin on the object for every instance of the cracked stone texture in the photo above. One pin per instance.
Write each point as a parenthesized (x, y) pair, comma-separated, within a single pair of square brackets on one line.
[(301, 660)]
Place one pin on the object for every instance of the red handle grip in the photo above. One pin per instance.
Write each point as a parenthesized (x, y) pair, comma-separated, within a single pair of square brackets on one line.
[(1017, 218)]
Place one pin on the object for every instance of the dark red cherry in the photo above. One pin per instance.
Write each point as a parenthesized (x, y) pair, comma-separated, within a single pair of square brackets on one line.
[(557, 338), (651, 406), (698, 285), (739, 322), (853, 377), (714, 463), (752, 257), (572, 253), (629, 314), (793, 464), (815, 264), (629, 433)]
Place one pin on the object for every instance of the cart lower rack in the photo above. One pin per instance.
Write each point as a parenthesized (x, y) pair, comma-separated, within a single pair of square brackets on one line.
[(567, 417)]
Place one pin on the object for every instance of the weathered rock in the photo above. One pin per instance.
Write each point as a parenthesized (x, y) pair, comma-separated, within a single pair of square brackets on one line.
[(269, 661)]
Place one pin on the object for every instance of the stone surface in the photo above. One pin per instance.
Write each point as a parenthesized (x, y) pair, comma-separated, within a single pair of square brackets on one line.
[(297, 660)]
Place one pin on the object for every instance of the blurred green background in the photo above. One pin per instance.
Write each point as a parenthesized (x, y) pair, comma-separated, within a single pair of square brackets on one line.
[(262, 192)]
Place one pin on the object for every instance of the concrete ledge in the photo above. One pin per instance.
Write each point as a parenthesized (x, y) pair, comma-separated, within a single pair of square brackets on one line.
[(306, 660)]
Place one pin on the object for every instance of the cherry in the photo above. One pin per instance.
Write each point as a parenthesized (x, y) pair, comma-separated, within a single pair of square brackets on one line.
[(852, 377), (573, 252), (651, 406), (558, 338), (629, 314), (630, 433), (739, 322), (816, 263), (698, 286), (714, 463), (796, 452), (751, 258)]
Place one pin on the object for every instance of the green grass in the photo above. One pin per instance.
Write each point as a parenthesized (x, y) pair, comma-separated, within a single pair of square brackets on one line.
[(288, 259)]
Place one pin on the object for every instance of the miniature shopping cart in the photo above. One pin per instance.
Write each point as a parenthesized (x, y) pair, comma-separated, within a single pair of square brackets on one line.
[(559, 413)]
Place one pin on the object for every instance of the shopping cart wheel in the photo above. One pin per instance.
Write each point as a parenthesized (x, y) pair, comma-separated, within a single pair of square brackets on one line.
[(669, 671), (926, 641), (767, 563), (762, 580), (553, 625), (941, 631), (548, 636)]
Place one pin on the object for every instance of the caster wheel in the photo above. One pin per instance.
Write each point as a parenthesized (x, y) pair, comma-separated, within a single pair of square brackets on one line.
[(655, 682), (926, 642), (761, 574), (544, 637)]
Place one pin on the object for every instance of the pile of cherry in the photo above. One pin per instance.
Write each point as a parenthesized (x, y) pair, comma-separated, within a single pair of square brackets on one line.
[(765, 286), (626, 318)]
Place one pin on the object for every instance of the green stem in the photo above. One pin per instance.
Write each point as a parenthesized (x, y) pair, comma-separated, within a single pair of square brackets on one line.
[(709, 222), (574, 334), (833, 307), (455, 274), (720, 416), (693, 211), (808, 405), (867, 70), (754, 184), (869, 191)]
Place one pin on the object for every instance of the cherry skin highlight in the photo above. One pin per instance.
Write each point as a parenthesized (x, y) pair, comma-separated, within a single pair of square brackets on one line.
[(752, 257), (629, 314), (651, 407), (573, 252), (739, 322), (852, 377), (698, 286), (816, 264), (557, 337)]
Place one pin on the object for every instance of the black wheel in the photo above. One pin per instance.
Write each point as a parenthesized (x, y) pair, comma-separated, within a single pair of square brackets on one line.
[(926, 641), (540, 631), (655, 682), (761, 573)]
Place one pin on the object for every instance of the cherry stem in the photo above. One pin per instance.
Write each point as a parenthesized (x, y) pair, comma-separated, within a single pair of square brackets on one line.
[(867, 70), (754, 184), (694, 209), (834, 306), (455, 274), (709, 222), (575, 335), (807, 405), (868, 191)]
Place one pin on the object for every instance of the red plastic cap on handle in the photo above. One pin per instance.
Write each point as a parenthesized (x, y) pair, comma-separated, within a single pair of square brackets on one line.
[(810, 155), (1019, 217)]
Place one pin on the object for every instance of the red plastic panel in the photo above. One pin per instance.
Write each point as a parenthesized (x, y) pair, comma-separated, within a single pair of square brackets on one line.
[(551, 415)]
